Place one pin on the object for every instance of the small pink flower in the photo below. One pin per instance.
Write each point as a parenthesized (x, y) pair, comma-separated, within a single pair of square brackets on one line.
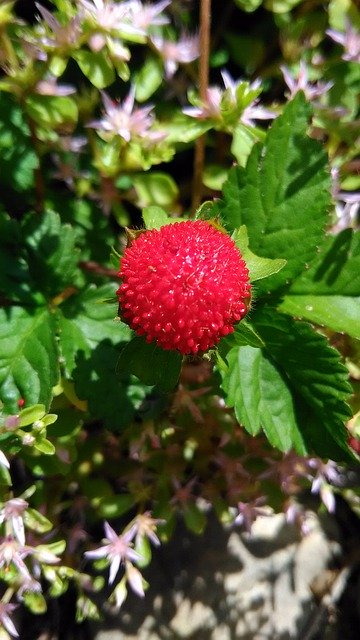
[(146, 15), (134, 579), (12, 512), (117, 549), (144, 526), (184, 51), (301, 82), (49, 87), (111, 16), (349, 39), (248, 512), (6, 609), (63, 36), (211, 107), (126, 120)]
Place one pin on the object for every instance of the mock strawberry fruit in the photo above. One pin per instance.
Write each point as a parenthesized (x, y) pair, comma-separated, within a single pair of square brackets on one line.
[(183, 286)]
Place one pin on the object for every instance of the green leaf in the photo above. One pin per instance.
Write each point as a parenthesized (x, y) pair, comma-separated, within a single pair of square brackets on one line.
[(339, 313), (52, 256), (295, 388), (114, 506), (149, 78), (36, 521), (92, 231), (96, 66), (52, 111), (154, 188), (259, 268), (84, 321), (155, 217), (31, 414), (89, 342), (35, 601), (143, 548), (183, 129), (18, 159), (282, 196), (195, 519), (14, 277), (261, 398), (28, 357), (244, 334), (329, 292), (44, 446), (336, 269), (151, 364), (243, 141), (214, 176)]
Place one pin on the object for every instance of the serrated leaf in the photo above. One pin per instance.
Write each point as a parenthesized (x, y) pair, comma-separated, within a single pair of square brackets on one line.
[(329, 292), (244, 334), (261, 398), (28, 357), (52, 256), (84, 321), (259, 268), (155, 217), (295, 388), (208, 210), (151, 364), (335, 270), (96, 66), (339, 313), (283, 194)]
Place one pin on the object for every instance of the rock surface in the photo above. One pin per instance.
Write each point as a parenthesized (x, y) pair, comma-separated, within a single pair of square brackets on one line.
[(227, 586)]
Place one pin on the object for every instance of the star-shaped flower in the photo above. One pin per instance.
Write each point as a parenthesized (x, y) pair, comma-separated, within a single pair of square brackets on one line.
[(117, 550)]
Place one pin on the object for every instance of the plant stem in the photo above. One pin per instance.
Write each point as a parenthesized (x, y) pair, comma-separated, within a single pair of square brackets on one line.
[(205, 23)]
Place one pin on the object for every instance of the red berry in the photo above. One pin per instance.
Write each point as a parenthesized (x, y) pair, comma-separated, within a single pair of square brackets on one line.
[(184, 286)]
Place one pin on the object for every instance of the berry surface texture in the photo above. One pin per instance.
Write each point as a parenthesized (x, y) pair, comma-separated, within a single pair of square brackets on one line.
[(184, 286)]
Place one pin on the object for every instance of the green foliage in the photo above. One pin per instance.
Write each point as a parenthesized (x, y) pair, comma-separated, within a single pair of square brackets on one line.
[(292, 384), (95, 423), (151, 364), (17, 156), (329, 292), (282, 196)]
